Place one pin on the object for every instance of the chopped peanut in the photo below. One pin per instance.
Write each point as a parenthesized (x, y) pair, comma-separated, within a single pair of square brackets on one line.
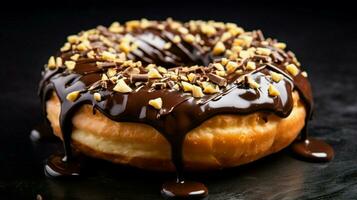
[(75, 57), (187, 87), (156, 103), (70, 65), (122, 87), (218, 48), (253, 84), (273, 91), (263, 51), (292, 69), (197, 91), (97, 96), (210, 88), (51, 63), (251, 65), (231, 66), (276, 77), (153, 73), (280, 45), (73, 96)]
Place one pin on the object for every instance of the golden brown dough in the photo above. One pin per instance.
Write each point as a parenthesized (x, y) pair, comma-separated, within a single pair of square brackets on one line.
[(222, 141)]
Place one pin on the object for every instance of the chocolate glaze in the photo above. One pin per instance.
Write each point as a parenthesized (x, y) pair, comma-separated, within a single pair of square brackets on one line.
[(184, 190), (151, 43), (311, 149), (180, 112), (57, 165)]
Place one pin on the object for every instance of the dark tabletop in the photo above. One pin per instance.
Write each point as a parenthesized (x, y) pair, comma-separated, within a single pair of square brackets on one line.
[(323, 39)]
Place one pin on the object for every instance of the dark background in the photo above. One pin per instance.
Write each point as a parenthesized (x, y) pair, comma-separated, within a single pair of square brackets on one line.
[(323, 36)]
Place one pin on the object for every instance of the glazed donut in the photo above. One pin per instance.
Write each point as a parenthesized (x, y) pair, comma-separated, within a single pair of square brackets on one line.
[(214, 144), (162, 95)]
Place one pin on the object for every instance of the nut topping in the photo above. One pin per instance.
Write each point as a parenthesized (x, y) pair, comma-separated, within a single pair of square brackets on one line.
[(176, 39), (276, 77), (70, 65), (244, 54), (280, 45), (252, 83), (111, 72), (218, 66), (189, 38), (231, 66), (75, 57), (153, 73), (263, 51), (59, 62), (237, 55), (250, 65), (187, 87), (167, 45), (156, 103), (218, 48), (273, 91), (51, 63), (209, 88), (97, 96), (292, 69), (122, 87), (108, 56), (66, 47), (192, 77), (73, 96), (197, 91), (304, 74)]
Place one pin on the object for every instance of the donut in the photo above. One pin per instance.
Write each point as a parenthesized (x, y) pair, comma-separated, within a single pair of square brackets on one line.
[(167, 95), (205, 148)]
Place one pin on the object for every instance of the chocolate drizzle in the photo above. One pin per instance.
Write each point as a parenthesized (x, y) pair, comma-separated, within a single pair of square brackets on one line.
[(57, 165), (312, 150), (180, 112), (184, 190)]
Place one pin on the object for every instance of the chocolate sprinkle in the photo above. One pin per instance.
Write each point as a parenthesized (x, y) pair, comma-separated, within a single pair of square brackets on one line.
[(217, 79)]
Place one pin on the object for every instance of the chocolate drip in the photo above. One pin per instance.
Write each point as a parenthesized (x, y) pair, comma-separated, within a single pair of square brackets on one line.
[(184, 190), (57, 165), (180, 112), (311, 149)]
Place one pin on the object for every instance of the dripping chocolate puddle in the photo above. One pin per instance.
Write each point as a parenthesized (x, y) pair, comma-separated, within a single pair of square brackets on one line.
[(180, 113)]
